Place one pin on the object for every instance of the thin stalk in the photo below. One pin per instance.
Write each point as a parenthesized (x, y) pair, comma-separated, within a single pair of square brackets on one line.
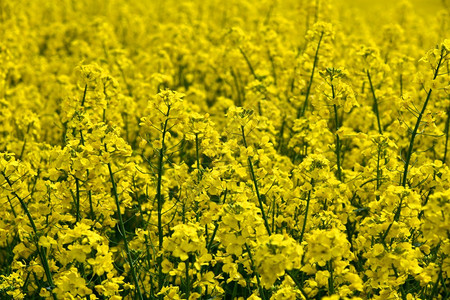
[(443, 283), (297, 283), (91, 207), (199, 178), (416, 127), (24, 142), (338, 142), (255, 183), (375, 102), (266, 224), (273, 215), (77, 202), (216, 227), (122, 229), (274, 72), (234, 293), (413, 136), (238, 89), (301, 112), (127, 84), (188, 289), (12, 207), (40, 250), (249, 64), (401, 85), (199, 175), (160, 200), (281, 133), (306, 216), (435, 286), (92, 214), (402, 290), (396, 218), (378, 167), (447, 125), (258, 282), (84, 95), (125, 115), (330, 280), (26, 282)]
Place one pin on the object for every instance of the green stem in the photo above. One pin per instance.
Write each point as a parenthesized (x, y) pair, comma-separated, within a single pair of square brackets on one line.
[(122, 229), (443, 284), (216, 227), (378, 168), (301, 112), (401, 85), (24, 142), (447, 125), (234, 293), (255, 183), (238, 89), (297, 283), (247, 60), (330, 280), (91, 206), (416, 127), (84, 95), (396, 218), (77, 204), (306, 216), (147, 250), (338, 143), (12, 207), (272, 63), (267, 224), (281, 133), (435, 286), (199, 175), (402, 290), (273, 215), (160, 201), (258, 282), (188, 289), (40, 250), (375, 103)]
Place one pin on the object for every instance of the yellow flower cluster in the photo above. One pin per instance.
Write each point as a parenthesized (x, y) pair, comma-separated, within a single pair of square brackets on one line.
[(294, 149)]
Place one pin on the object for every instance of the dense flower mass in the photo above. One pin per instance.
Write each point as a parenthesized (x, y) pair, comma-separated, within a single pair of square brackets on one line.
[(293, 149)]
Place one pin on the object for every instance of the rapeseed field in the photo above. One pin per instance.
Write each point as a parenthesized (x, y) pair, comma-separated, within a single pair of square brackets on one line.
[(273, 149)]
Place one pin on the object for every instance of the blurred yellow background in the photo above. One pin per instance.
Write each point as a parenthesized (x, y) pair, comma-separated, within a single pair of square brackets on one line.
[(378, 6)]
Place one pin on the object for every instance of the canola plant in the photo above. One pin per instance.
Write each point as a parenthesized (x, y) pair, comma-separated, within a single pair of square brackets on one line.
[(274, 149)]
